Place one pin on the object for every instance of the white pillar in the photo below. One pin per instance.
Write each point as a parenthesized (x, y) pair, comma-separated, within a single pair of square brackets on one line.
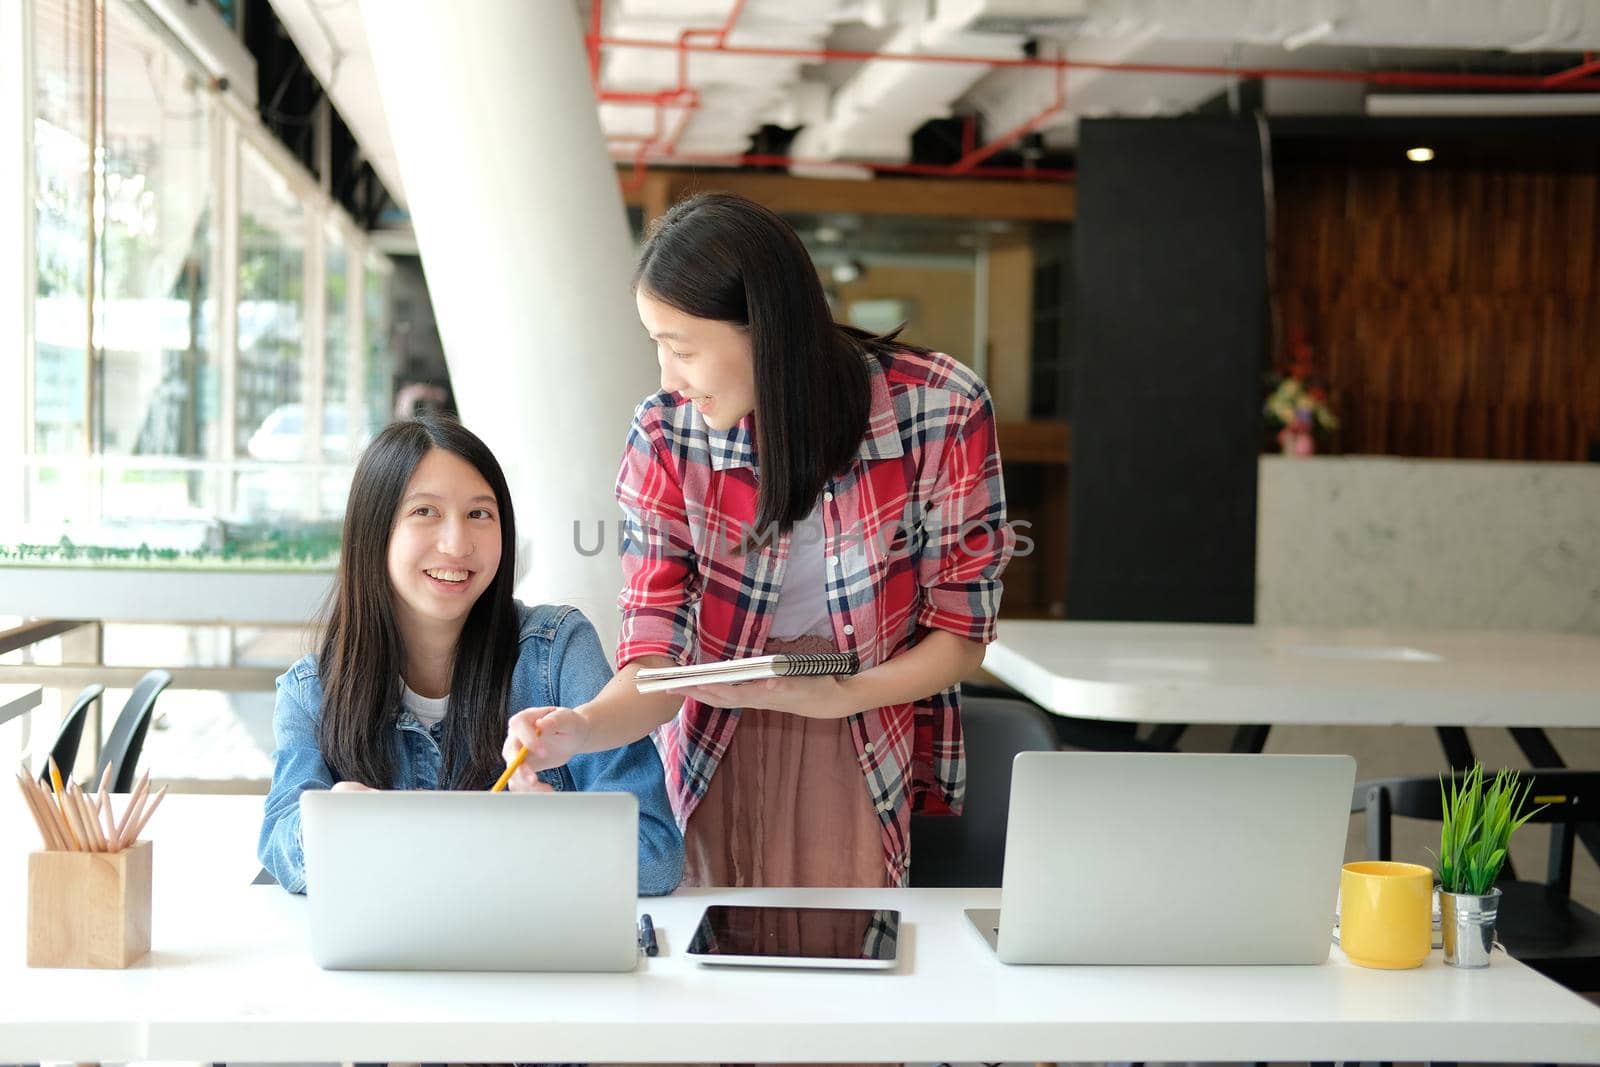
[(524, 240)]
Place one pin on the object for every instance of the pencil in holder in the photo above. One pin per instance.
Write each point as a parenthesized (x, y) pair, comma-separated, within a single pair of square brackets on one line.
[(89, 909)]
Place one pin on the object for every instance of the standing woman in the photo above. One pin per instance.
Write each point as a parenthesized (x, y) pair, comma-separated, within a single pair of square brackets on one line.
[(796, 485)]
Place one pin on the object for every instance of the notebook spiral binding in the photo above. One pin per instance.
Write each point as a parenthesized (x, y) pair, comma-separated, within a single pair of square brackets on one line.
[(818, 663)]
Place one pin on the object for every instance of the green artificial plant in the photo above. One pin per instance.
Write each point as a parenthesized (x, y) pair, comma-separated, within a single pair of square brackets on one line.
[(1478, 823)]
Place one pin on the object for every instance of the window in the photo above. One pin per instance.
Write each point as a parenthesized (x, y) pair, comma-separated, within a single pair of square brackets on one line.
[(271, 368), (161, 408), (337, 442), (193, 299), (61, 230), (156, 390), (378, 359)]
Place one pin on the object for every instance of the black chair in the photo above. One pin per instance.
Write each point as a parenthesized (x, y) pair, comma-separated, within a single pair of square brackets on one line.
[(70, 734), (1091, 735), (122, 748), (970, 849), (1539, 923)]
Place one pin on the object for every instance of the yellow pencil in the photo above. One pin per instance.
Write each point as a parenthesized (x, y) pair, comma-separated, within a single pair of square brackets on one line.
[(511, 768), (516, 761), (62, 808)]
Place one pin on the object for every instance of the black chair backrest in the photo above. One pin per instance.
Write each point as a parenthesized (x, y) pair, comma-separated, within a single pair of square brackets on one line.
[(65, 749), (1564, 797), (122, 748), (970, 850)]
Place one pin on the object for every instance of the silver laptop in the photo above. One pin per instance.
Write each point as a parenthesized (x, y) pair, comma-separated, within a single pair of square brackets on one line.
[(1131, 858), (443, 881)]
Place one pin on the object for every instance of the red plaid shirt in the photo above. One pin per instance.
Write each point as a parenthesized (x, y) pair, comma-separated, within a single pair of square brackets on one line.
[(915, 538)]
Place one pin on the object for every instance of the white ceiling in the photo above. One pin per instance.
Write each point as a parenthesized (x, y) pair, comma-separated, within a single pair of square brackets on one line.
[(851, 111)]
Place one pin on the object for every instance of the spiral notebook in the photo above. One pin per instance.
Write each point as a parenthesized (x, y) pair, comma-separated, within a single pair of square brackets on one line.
[(751, 669)]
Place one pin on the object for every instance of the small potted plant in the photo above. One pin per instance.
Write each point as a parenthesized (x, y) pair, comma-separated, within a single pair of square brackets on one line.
[(1478, 823)]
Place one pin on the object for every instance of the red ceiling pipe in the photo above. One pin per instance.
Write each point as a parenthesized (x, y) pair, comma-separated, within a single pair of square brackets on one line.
[(663, 98), (592, 42), (1590, 65), (1404, 78), (656, 100), (719, 43), (1576, 78), (683, 93), (683, 123), (668, 153), (635, 180), (972, 157)]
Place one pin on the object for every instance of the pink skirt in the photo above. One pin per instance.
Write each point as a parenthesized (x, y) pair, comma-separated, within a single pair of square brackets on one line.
[(788, 805)]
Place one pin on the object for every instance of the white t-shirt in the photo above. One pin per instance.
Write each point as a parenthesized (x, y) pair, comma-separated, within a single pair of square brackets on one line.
[(803, 601), (428, 710)]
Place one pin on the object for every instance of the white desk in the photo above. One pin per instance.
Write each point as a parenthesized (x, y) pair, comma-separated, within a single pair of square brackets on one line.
[(229, 977), (1201, 673), (16, 700)]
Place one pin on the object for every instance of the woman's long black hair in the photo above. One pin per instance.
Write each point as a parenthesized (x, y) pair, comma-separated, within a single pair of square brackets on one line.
[(362, 656), (723, 257)]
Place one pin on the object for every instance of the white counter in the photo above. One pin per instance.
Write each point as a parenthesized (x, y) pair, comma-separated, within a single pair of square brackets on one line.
[(1381, 541)]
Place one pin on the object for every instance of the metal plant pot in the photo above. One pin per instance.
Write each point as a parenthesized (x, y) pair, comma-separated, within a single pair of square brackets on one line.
[(1468, 927)]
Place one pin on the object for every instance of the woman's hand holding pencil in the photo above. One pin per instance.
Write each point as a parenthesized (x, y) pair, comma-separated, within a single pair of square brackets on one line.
[(511, 768), (71, 820), (536, 740)]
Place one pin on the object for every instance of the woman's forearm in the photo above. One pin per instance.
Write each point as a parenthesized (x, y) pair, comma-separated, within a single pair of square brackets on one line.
[(619, 714), (937, 662)]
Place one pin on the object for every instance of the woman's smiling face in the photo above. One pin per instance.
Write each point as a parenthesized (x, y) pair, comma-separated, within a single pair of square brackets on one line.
[(707, 362), (444, 547)]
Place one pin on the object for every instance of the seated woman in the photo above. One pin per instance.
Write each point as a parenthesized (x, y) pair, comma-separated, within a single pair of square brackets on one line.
[(427, 654)]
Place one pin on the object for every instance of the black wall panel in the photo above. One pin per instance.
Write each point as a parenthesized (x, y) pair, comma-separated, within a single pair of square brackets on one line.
[(1167, 389)]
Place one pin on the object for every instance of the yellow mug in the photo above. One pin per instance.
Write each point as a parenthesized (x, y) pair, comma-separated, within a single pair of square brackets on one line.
[(1386, 914)]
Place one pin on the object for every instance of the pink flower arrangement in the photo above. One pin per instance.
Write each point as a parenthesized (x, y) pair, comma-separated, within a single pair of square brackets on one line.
[(1299, 406)]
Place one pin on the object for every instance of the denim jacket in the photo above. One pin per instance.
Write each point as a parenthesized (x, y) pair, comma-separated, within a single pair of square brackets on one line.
[(560, 663)]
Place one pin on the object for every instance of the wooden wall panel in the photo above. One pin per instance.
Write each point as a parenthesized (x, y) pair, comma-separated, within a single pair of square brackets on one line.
[(1452, 313)]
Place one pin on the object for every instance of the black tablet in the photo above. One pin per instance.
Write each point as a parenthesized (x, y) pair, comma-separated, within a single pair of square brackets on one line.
[(861, 938)]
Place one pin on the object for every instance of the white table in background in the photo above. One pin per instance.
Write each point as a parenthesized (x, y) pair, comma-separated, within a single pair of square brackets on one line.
[(1258, 676), (230, 978), (1204, 673)]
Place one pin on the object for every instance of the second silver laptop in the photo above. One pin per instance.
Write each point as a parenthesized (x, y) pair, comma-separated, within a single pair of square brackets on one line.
[(1137, 858)]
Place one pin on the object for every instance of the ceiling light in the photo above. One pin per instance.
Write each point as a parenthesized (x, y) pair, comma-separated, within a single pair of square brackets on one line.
[(1420, 154), (829, 235)]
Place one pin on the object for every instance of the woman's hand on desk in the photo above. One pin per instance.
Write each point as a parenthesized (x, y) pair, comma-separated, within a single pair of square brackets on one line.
[(814, 698), (519, 784), (552, 736), (351, 787)]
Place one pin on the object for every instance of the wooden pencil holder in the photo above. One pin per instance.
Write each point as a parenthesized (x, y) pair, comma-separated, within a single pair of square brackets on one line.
[(89, 909)]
